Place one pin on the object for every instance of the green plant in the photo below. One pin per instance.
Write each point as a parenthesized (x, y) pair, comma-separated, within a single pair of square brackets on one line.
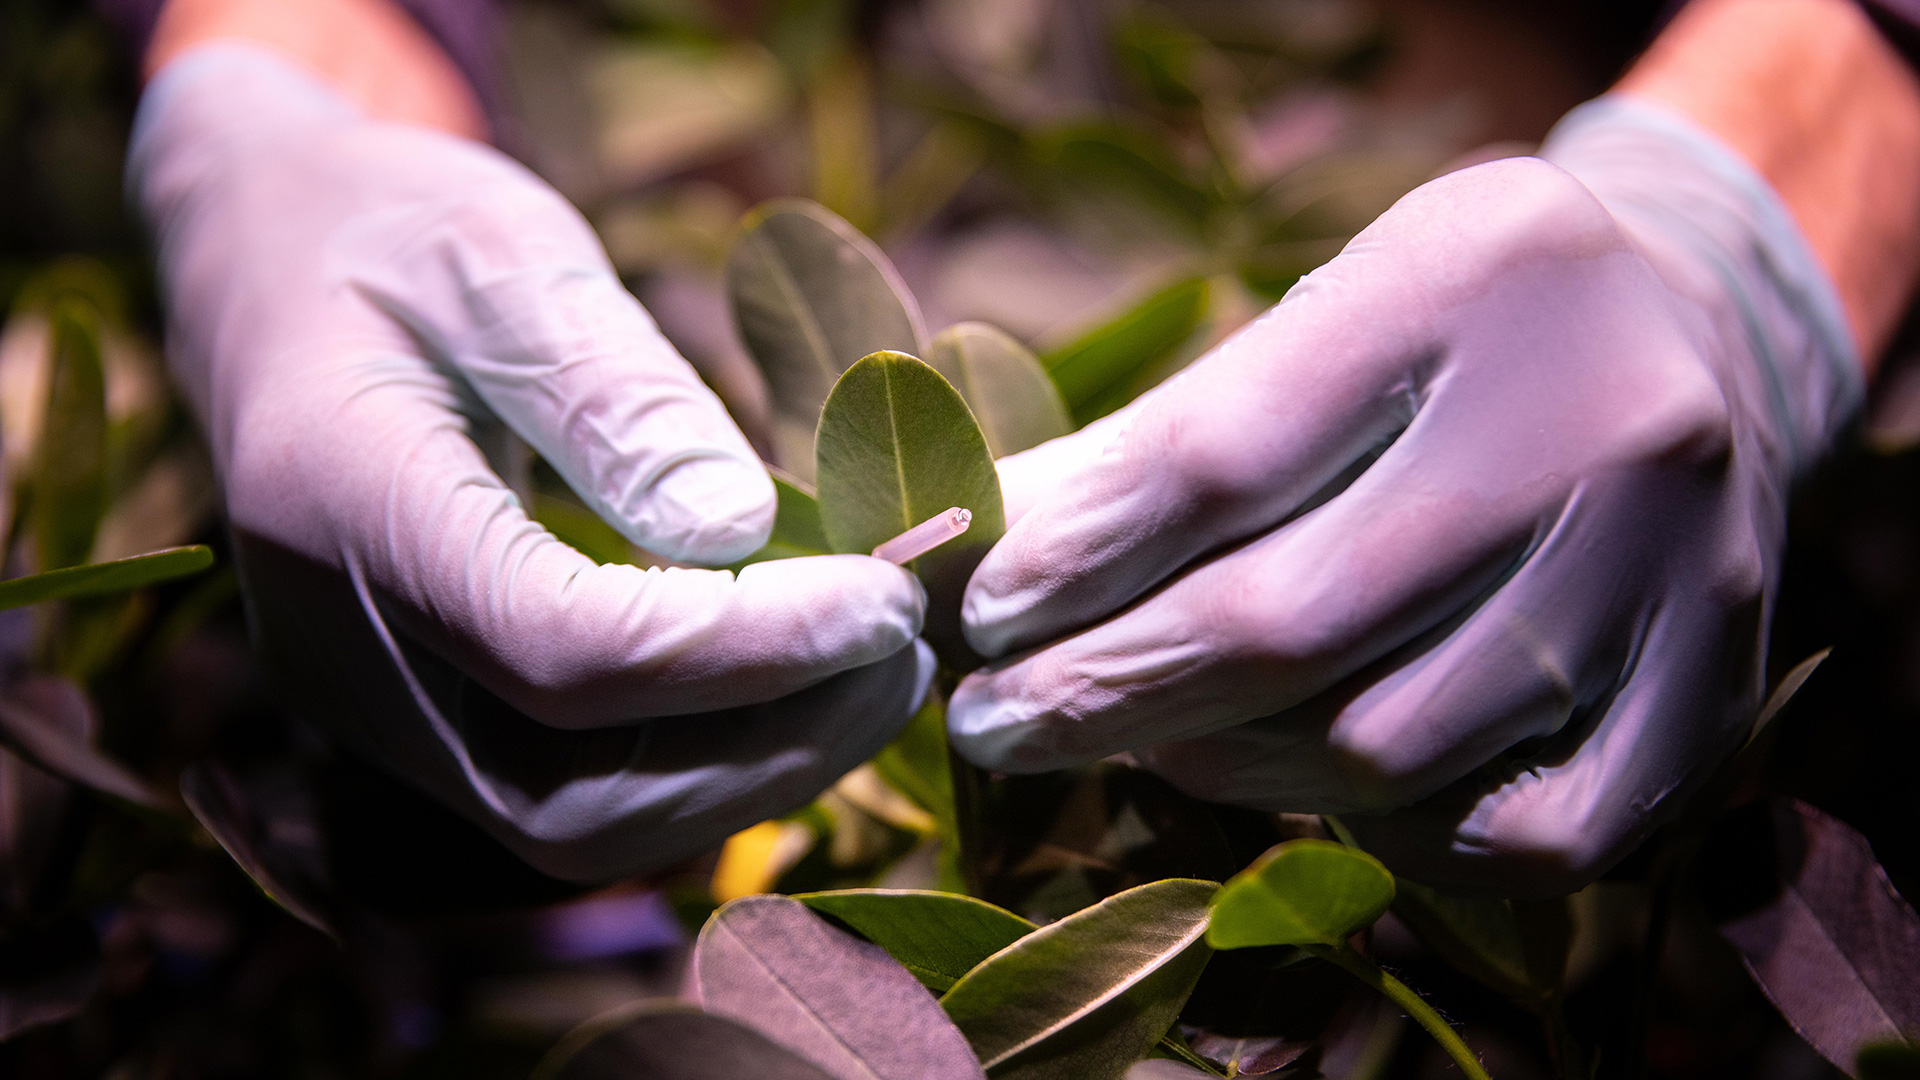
[(1102, 976)]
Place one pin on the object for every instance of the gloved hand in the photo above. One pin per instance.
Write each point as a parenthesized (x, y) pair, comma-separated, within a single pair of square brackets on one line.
[(1476, 532), (355, 308)]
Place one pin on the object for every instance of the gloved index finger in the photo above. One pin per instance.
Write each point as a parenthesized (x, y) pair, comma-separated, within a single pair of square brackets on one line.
[(1229, 448)]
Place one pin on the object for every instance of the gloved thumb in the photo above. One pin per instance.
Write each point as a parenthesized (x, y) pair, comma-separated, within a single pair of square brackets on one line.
[(504, 282)]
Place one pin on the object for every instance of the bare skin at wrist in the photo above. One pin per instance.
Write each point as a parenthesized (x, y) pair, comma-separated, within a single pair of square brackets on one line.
[(369, 50), (1812, 95)]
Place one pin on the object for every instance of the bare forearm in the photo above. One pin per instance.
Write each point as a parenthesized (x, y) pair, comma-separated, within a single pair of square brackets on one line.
[(1811, 94), (369, 50)]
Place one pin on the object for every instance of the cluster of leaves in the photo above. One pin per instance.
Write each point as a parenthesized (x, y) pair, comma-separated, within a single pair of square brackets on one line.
[(1074, 913), (836, 984), (897, 440)]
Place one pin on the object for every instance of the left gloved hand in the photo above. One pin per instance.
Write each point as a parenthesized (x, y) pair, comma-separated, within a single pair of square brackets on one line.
[(1477, 531), (359, 310)]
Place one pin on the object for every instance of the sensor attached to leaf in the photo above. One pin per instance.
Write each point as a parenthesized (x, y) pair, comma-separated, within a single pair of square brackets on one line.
[(925, 536)]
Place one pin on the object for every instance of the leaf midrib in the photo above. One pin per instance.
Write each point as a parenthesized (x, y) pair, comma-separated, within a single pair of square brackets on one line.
[(789, 287), (805, 1005), (899, 455)]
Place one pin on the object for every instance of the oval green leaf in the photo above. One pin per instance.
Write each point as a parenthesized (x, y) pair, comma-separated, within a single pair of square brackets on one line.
[(1303, 892), (810, 296), (99, 579), (1089, 995), (896, 446), (936, 935), (1002, 381)]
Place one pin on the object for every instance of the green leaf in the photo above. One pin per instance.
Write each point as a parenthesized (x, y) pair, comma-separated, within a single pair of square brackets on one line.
[(797, 531), (1002, 381), (1126, 174), (1303, 892), (896, 446), (580, 529), (810, 296), (1087, 996), (98, 579), (936, 935), (1091, 367), (69, 473)]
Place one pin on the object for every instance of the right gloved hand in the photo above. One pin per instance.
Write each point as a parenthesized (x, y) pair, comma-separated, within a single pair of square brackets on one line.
[(1473, 537), (355, 307)]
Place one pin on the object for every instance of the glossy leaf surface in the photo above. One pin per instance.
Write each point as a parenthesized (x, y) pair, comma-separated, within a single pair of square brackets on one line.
[(1010, 394), (1303, 892), (937, 936), (100, 579), (1089, 995), (811, 296), (841, 1003), (896, 446), (671, 1040)]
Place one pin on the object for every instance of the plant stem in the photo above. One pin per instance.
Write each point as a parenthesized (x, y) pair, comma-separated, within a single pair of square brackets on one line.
[(1402, 995), (969, 783)]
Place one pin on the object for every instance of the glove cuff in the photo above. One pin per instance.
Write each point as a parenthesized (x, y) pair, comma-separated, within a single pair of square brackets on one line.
[(1721, 234)]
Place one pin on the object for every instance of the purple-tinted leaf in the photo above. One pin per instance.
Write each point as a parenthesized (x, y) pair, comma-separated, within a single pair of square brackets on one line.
[(1831, 943), (279, 851), (670, 1040), (839, 1002), (49, 721)]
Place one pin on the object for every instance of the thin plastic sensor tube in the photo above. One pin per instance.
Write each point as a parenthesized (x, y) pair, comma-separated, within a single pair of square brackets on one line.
[(925, 536)]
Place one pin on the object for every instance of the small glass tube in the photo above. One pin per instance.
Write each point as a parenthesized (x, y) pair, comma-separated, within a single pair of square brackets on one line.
[(925, 536)]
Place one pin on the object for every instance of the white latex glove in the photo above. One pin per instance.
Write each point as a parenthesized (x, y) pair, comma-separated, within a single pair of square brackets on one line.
[(1477, 530), (352, 304)]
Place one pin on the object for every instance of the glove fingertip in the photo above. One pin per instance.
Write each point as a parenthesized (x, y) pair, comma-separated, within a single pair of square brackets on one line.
[(994, 733), (990, 620), (712, 510)]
